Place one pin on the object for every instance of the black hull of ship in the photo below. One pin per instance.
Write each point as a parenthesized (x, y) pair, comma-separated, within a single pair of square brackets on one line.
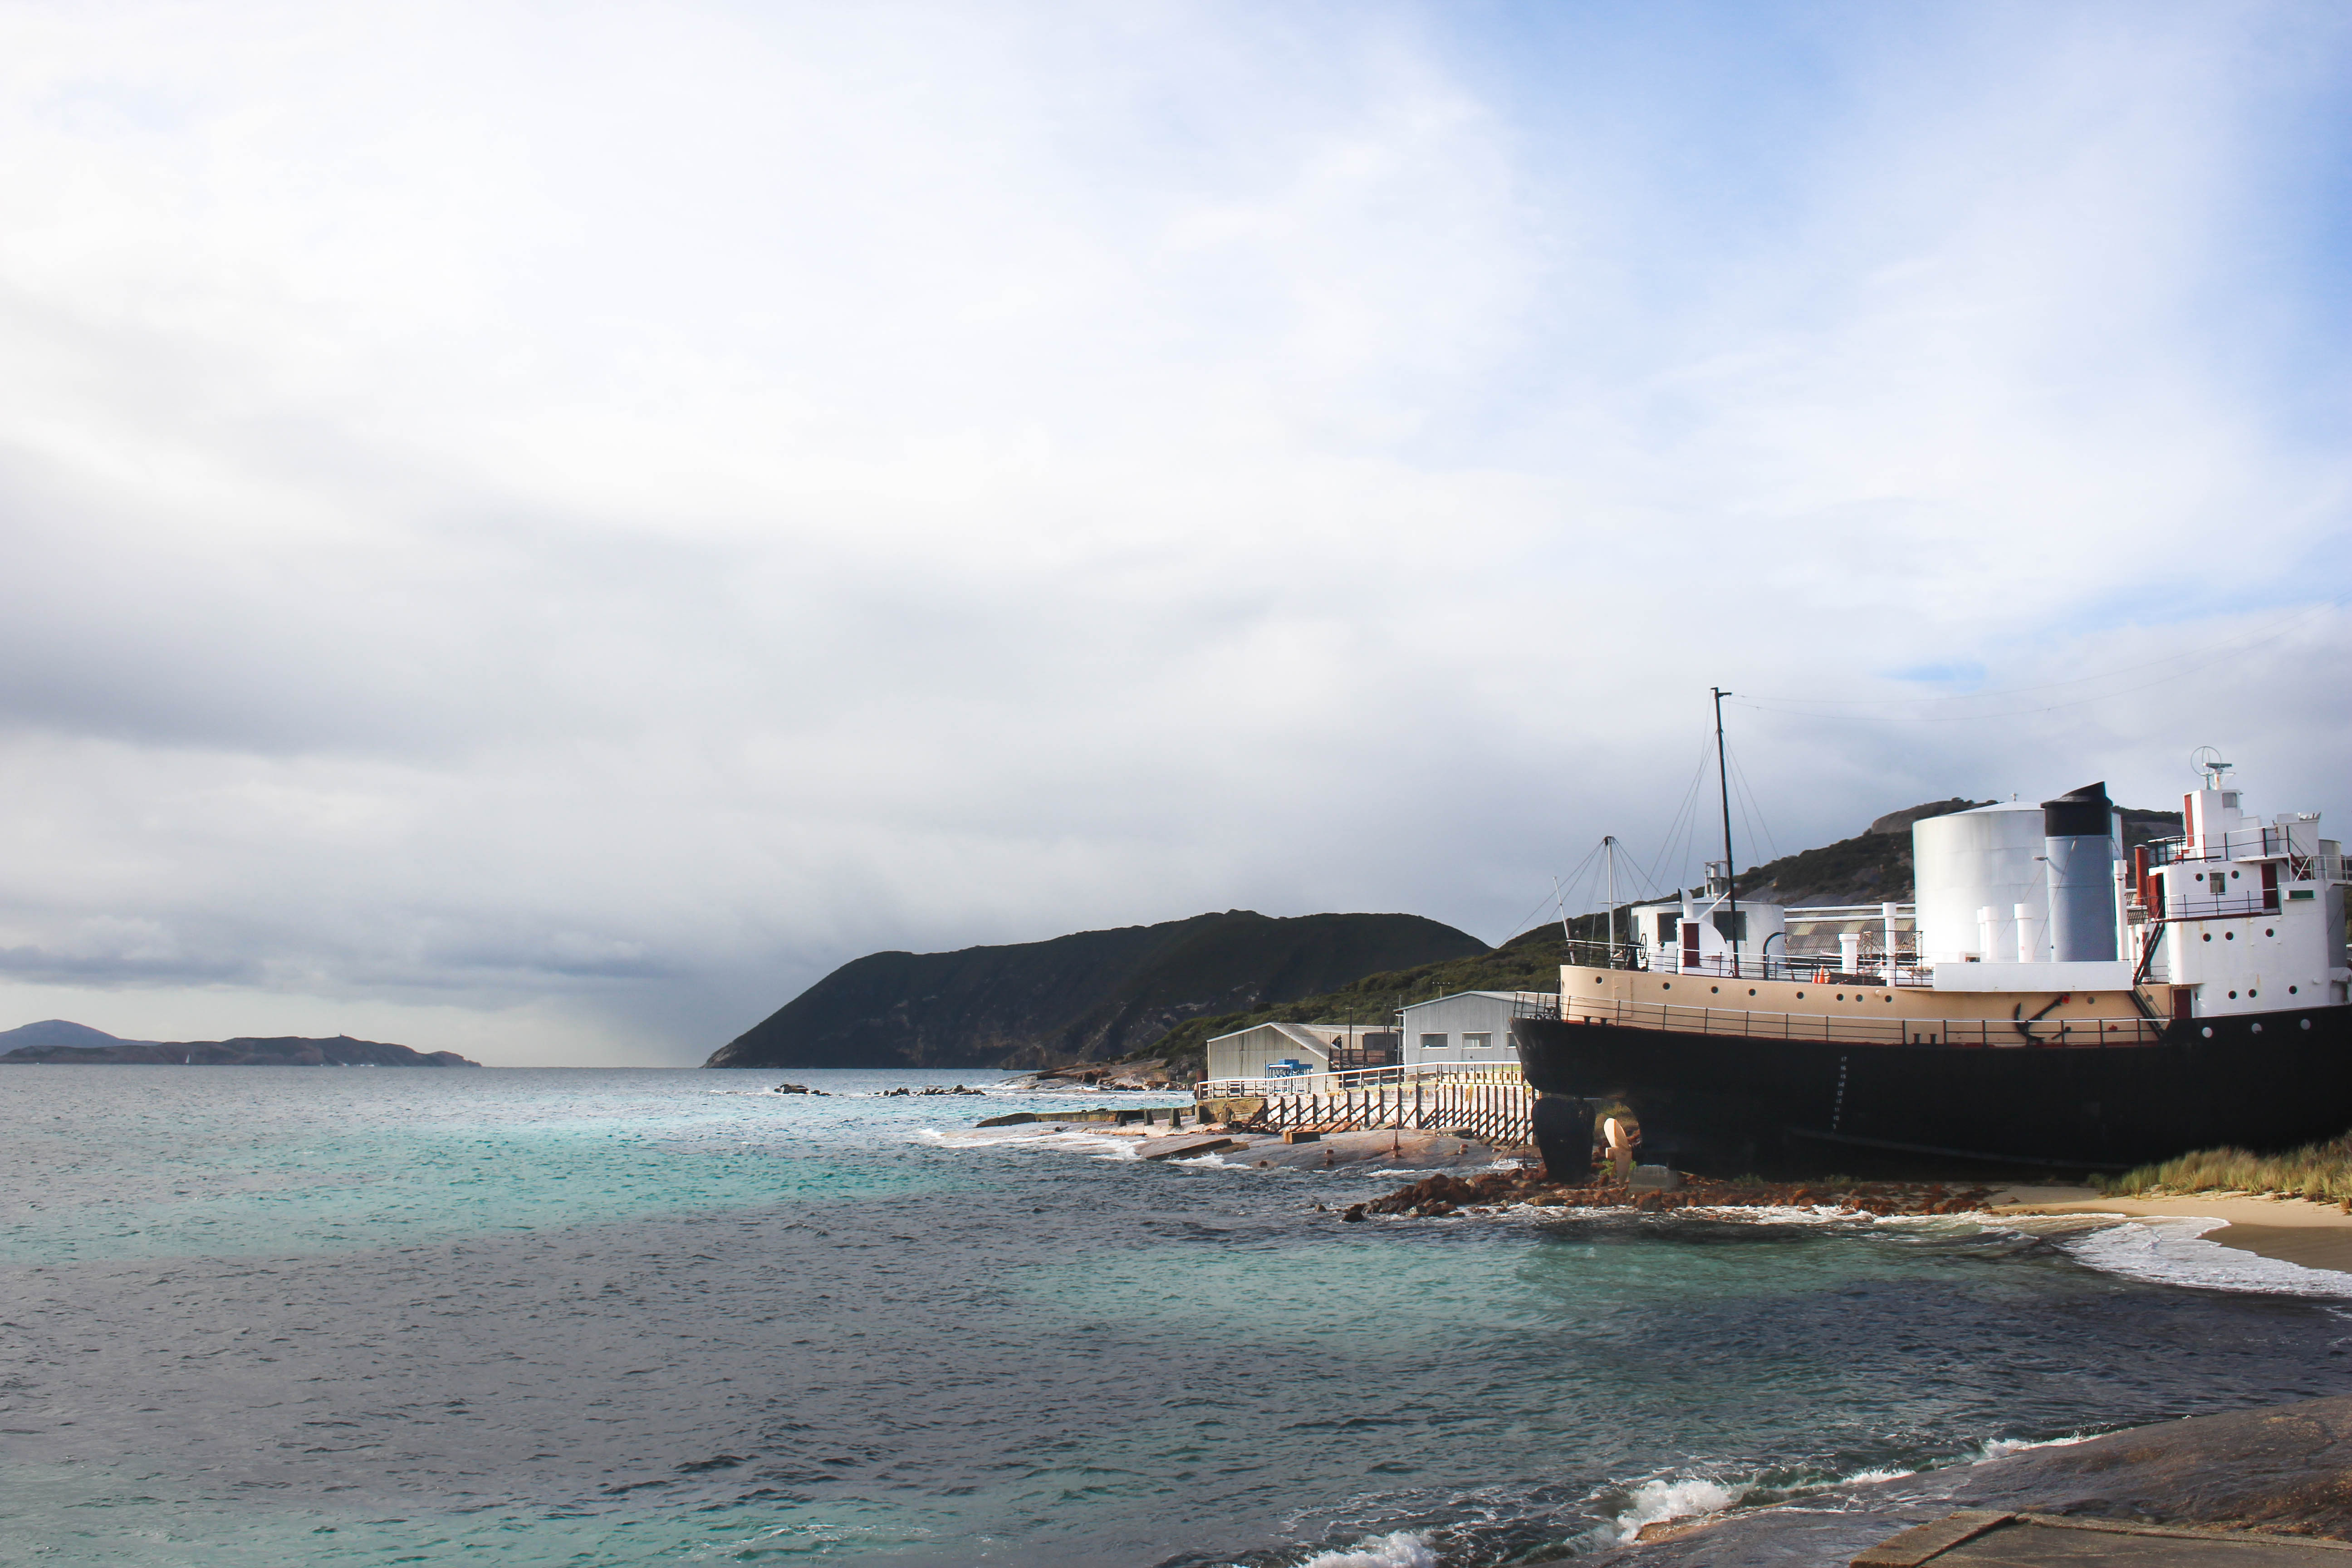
[(1725, 1104)]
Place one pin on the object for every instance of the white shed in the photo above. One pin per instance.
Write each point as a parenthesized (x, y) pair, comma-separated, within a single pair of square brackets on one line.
[(1471, 1027), (1324, 1047)]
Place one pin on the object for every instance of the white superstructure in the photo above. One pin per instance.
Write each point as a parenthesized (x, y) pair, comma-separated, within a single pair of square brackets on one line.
[(2031, 910), (2240, 915)]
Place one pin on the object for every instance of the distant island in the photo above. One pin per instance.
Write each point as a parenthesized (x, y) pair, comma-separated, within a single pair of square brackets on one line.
[(1096, 996), (57, 1041)]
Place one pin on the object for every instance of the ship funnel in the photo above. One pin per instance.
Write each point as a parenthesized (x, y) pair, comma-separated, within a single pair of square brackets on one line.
[(2078, 838)]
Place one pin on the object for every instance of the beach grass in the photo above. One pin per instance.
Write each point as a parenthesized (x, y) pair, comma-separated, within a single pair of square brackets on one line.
[(2320, 1172)]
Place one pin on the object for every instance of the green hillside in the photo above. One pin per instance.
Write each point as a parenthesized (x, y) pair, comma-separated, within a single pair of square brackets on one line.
[(1090, 996)]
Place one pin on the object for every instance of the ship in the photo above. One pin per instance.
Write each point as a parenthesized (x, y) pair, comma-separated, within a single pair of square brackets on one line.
[(2051, 1000)]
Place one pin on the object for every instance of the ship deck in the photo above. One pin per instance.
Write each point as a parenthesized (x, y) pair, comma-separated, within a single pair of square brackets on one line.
[(1857, 1009), (1864, 1028)]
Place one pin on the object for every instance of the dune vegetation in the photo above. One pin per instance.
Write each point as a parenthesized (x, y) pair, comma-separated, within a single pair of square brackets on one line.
[(2320, 1172)]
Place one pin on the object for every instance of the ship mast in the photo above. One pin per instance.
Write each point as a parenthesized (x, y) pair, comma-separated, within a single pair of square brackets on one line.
[(1609, 848), (1730, 872)]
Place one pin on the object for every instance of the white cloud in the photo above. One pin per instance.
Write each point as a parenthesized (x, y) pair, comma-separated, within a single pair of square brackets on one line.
[(546, 533)]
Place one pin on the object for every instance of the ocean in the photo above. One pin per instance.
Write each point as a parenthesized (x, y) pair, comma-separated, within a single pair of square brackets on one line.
[(262, 1316)]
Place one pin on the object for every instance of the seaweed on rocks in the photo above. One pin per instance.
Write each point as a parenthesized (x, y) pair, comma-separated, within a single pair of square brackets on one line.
[(1443, 1193)]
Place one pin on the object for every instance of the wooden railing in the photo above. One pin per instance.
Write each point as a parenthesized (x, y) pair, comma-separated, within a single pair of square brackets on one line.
[(1860, 1029), (1354, 1078), (1486, 1105)]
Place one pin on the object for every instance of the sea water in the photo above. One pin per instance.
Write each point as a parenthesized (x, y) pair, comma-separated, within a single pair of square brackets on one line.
[(281, 1315)]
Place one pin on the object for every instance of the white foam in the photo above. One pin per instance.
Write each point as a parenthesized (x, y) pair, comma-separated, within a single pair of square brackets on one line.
[(1655, 1502), (1861, 1477), (2002, 1447), (1398, 1549), (2169, 1250)]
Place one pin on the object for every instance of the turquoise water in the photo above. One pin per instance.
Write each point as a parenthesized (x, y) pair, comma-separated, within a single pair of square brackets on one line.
[(281, 1315)]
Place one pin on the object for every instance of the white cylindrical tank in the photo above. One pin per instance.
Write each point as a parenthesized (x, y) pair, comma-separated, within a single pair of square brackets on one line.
[(1967, 862)]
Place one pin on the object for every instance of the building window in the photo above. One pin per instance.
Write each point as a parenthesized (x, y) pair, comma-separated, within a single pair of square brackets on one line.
[(1478, 1042), (1729, 929), (1431, 1043)]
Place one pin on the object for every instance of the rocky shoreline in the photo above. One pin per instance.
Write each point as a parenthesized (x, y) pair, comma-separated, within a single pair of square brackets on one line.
[(1444, 1194), (2278, 1470)]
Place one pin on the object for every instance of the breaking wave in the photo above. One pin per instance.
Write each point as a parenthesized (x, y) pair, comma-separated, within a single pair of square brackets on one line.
[(1398, 1549), (2164, 1250)]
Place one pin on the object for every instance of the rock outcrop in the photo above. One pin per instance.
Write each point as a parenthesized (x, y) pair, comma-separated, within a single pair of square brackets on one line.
[(2284, 1469)]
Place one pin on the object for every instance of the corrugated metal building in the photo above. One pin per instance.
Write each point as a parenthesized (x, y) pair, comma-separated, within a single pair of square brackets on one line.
[(1324, 1047), (1467, 1026)]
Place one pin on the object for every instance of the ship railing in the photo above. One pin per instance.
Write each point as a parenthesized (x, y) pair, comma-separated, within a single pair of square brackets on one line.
[(2307, 861), (1805, 968), (2262, 902), (1838, 1029), (1355, 1078)]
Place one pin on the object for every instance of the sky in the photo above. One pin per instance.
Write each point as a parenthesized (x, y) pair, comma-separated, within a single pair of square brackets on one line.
[(541, 530)]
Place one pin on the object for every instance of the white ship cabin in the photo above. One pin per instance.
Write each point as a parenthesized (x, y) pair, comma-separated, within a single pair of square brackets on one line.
[(2239, 915), (1696, 934), (1263, 1050)]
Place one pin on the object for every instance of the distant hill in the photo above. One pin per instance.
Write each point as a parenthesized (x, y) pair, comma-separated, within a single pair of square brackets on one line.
[(1874, 866), (1096, 995), (60, 1042)]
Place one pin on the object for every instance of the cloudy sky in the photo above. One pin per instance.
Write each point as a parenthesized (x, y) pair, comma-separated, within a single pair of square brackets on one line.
[(541, 529)]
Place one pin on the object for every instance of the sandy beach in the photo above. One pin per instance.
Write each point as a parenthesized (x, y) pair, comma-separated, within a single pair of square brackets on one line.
[(2316, 1236)]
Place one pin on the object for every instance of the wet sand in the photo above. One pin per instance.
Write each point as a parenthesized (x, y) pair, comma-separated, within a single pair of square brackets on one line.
[(2316, 1236)]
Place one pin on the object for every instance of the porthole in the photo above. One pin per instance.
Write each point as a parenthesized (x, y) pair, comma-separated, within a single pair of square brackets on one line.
[(2209, 936), (2209, 1031), (2252, 993), (2291, 991), (1840, 995), (2228, 936), (1713, 989), (2258, 1028), (2267, 932), (2234, 875), (1666, 985), (1801, 995), (1596, 980), (1751, 991), (2306, 1023), (2233, 996), (2200, 876)]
